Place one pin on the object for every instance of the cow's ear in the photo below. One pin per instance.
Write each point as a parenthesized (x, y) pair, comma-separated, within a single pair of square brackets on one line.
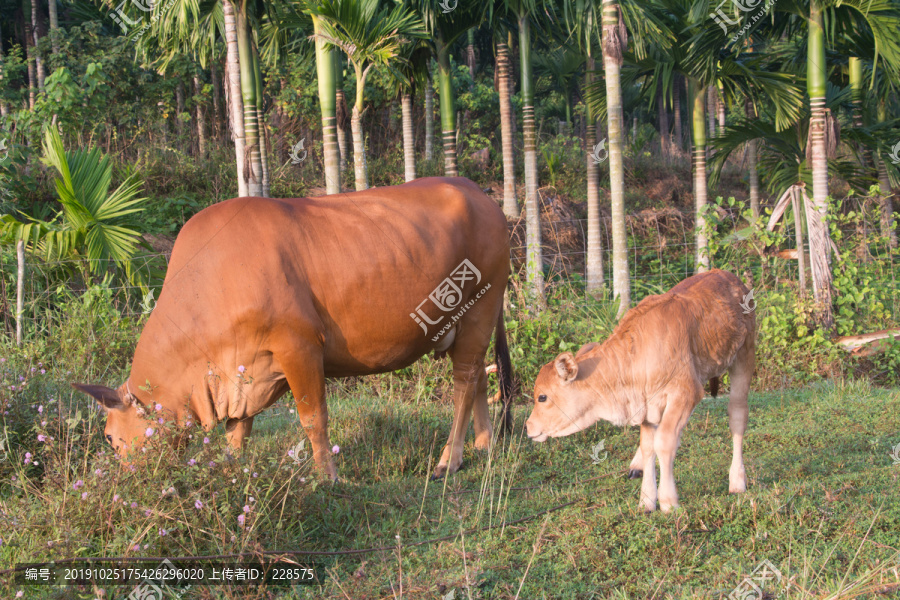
[(586, 348), (566, 367), (108, 398)]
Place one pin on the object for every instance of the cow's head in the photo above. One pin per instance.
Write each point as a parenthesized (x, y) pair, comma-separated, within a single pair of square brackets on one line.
[(125, 424), (561, 404)]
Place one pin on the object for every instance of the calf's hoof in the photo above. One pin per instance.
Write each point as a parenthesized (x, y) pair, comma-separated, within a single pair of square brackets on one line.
[(635, 474)]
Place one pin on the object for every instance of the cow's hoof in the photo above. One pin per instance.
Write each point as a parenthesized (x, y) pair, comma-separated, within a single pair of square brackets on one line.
[(635, 474)]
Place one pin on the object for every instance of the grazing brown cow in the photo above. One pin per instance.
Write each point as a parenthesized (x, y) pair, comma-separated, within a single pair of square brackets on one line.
[(651, 371), (265, 295)]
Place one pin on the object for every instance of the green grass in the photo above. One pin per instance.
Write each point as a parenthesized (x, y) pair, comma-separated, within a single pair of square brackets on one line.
[(822, 504)]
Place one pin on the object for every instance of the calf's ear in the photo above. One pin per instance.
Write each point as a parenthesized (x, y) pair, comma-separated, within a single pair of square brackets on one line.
[(108, 398), (566, 367)]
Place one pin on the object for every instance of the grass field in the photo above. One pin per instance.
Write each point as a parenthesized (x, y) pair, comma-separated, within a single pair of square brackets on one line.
[(822, 506)]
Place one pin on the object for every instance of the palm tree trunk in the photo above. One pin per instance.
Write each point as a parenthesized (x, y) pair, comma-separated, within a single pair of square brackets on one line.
[(535, 262), (720, 106), (341, 109), (448, 112), (235, 104), (252, 159), (429, 115), (884, 183), (796, 199), (750, 112), (54, 26), (510, 204), (594, 262), (36, 32), (819, 238), (664, 140), (32, 75), (261, 122), (327, 97), (615, 39), (216, 128), (409, 140), (676, 111), (711, 109), (4, 109), (470, 58), (359, 143), (701, 95), (856, 100), (199, 116), (179, 110)]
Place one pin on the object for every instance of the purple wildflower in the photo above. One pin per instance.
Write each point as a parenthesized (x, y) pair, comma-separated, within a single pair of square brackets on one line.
[(198, 505), (149, 432), (78, 484), (241, 520)]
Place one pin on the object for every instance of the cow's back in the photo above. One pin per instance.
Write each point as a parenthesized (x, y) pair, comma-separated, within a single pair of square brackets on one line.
[(345, 270)]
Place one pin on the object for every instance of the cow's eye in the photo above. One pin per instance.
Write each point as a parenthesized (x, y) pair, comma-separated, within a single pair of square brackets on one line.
[(542, 398), (109, 439)]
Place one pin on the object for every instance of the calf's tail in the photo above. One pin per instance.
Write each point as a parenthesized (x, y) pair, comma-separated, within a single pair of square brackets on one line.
[(714, 387), (504, 373)]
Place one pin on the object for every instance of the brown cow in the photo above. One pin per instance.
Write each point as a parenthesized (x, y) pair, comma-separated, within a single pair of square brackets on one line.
[(266, 295), (651, 371)]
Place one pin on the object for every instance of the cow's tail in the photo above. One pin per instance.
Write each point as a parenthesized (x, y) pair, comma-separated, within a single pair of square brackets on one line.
[(714, 387), (504, 374)]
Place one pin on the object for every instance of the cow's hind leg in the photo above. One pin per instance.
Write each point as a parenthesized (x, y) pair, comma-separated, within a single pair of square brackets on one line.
[(469, 385), (740, 373), (482, 417), (648, 458), (636, 468), (668, 437)]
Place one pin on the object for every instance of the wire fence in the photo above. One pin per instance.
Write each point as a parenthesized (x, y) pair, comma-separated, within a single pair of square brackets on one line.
[(661, 252)]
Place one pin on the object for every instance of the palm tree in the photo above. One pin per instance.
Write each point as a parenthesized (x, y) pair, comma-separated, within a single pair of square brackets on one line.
[(327, 102), (94, 225), (368, 34), (444, 29), (410, 74), (522, 9), (581, 22), (615, 40), (504, 85)]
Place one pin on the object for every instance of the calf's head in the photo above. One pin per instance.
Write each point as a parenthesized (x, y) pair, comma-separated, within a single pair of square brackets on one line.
[(562, 401), (126, 427)]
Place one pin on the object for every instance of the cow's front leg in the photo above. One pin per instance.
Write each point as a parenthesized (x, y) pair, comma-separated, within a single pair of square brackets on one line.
[(238, 429), (307, 382)]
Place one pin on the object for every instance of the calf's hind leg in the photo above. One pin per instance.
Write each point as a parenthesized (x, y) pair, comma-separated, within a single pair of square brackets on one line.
[(740, 373)]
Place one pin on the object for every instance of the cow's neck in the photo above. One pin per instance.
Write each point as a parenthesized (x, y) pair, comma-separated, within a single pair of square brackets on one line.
[(607, 379)]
